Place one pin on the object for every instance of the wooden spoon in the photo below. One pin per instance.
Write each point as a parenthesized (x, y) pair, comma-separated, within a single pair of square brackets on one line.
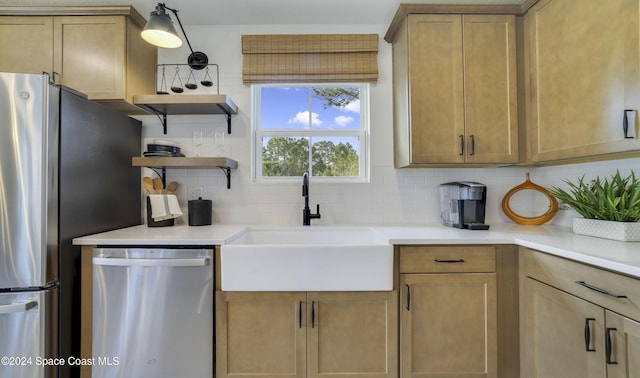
[(147, 182), (172, 187), (158, 185)]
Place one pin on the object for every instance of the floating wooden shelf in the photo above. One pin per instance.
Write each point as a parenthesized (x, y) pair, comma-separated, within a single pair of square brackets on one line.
[(184, 104), (223, 163), (184, 162), (188, 104)]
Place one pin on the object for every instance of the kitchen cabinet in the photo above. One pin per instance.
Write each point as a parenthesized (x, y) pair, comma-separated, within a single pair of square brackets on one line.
[(300, 334), (582, 61), (102, 56), (624, 361), (577, 320), (556, 323), (26, 44), (455, 90), (449, 312)]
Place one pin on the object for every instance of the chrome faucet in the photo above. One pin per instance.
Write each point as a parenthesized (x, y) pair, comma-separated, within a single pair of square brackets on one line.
[(306, 212)]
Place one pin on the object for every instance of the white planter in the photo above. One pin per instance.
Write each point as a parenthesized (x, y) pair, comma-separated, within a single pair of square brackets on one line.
[(624, 231)]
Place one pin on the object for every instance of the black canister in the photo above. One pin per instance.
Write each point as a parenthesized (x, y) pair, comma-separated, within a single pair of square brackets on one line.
[(199, 212)]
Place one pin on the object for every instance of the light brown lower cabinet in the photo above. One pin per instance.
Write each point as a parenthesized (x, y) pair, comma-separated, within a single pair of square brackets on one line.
[(624, 361), (299, 334), (448, 326), (564, 333), (449, 311), (569, 327)]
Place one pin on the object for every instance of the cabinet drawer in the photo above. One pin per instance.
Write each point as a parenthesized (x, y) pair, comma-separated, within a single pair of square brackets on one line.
[(614, 291), (447, 259)]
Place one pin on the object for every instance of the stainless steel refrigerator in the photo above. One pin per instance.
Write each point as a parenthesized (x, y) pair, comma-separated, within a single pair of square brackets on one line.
[(65, 171)]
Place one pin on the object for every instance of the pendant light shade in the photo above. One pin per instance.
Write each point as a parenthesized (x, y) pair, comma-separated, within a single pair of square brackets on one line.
[(159, 30)]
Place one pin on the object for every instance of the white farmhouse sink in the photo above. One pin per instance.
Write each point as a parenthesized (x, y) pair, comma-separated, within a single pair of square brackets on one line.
[(313, 258)]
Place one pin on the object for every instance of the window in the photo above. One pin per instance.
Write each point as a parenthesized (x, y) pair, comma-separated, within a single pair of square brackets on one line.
[(320, 129)]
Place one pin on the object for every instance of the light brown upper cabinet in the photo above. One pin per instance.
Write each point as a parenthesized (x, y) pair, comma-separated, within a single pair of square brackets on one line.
[(455, 90), (102, 56), (583, 68)]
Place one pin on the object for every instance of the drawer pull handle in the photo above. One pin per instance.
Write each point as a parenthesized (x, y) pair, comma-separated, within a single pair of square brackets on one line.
[(300, 315), (313, 314), (607, 346), (408, 307), (587, 334), (473, 145), (599, 290), (628, 128), (449, 261)]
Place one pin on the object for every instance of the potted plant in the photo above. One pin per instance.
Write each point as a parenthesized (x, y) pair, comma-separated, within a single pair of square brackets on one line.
[(610, 208)]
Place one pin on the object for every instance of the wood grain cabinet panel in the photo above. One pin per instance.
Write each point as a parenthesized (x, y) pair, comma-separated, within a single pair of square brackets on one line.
[(455, 90), (624, 333), (448, 326), (315, 334), (260, 334), (102, 56), (555, 324), (583, 68), (449, 311), (572, 330), (26, 44)]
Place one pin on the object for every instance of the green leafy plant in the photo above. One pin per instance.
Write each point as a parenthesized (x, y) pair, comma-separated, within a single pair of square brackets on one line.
[(617, 199)]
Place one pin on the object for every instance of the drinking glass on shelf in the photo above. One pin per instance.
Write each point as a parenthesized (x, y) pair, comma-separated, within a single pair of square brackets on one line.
[(218, 141), (197, 140)]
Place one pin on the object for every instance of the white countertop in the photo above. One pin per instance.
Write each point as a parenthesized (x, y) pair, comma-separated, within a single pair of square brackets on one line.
[(623, 257)]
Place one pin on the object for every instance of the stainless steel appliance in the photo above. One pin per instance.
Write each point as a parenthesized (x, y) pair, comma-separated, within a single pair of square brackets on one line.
[(63, 164), (153, 312), (462, 204)]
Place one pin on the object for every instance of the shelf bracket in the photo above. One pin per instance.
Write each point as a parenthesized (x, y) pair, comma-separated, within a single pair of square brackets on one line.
[(161, 116), (227, 173), (228, 115)]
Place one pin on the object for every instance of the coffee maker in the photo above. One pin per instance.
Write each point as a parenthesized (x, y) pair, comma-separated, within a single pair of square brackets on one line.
[(462, 204)]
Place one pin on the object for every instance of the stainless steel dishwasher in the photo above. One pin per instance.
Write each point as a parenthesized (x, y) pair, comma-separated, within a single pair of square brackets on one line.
[(153, 312)]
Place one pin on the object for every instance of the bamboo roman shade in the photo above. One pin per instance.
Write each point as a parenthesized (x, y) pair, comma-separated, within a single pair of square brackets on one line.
[(310, 58)]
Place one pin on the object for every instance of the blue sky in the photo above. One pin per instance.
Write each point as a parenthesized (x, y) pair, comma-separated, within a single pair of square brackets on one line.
[(288, 108)]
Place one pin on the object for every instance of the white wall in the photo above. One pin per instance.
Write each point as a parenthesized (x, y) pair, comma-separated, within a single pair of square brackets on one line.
[(393, 197)]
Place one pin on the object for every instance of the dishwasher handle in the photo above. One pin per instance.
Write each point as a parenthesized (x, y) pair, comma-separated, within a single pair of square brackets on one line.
[(17, 307), (112, 261)]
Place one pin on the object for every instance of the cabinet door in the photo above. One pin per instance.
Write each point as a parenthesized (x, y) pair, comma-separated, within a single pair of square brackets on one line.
[(89, 53), (435, 88), (490, 87), (623, 360), (562, 335), (584, 70), (26, 44), (352, 334), (448, 325), (260, 334)]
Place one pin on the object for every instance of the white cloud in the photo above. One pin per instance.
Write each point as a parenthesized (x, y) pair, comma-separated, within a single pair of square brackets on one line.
[(343, 120), (303, 118), (353, 106)]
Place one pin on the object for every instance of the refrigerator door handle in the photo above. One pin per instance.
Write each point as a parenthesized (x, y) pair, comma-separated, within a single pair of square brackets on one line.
[(112, 261), (17, 307)]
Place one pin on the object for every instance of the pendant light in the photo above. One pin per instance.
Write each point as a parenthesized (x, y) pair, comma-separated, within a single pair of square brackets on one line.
[(160, 32)]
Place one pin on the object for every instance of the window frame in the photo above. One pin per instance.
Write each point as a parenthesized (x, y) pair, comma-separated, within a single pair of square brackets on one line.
[(257, 135)]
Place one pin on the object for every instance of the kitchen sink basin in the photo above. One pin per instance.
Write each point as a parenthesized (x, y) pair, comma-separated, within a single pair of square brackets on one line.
[(307, 259)]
